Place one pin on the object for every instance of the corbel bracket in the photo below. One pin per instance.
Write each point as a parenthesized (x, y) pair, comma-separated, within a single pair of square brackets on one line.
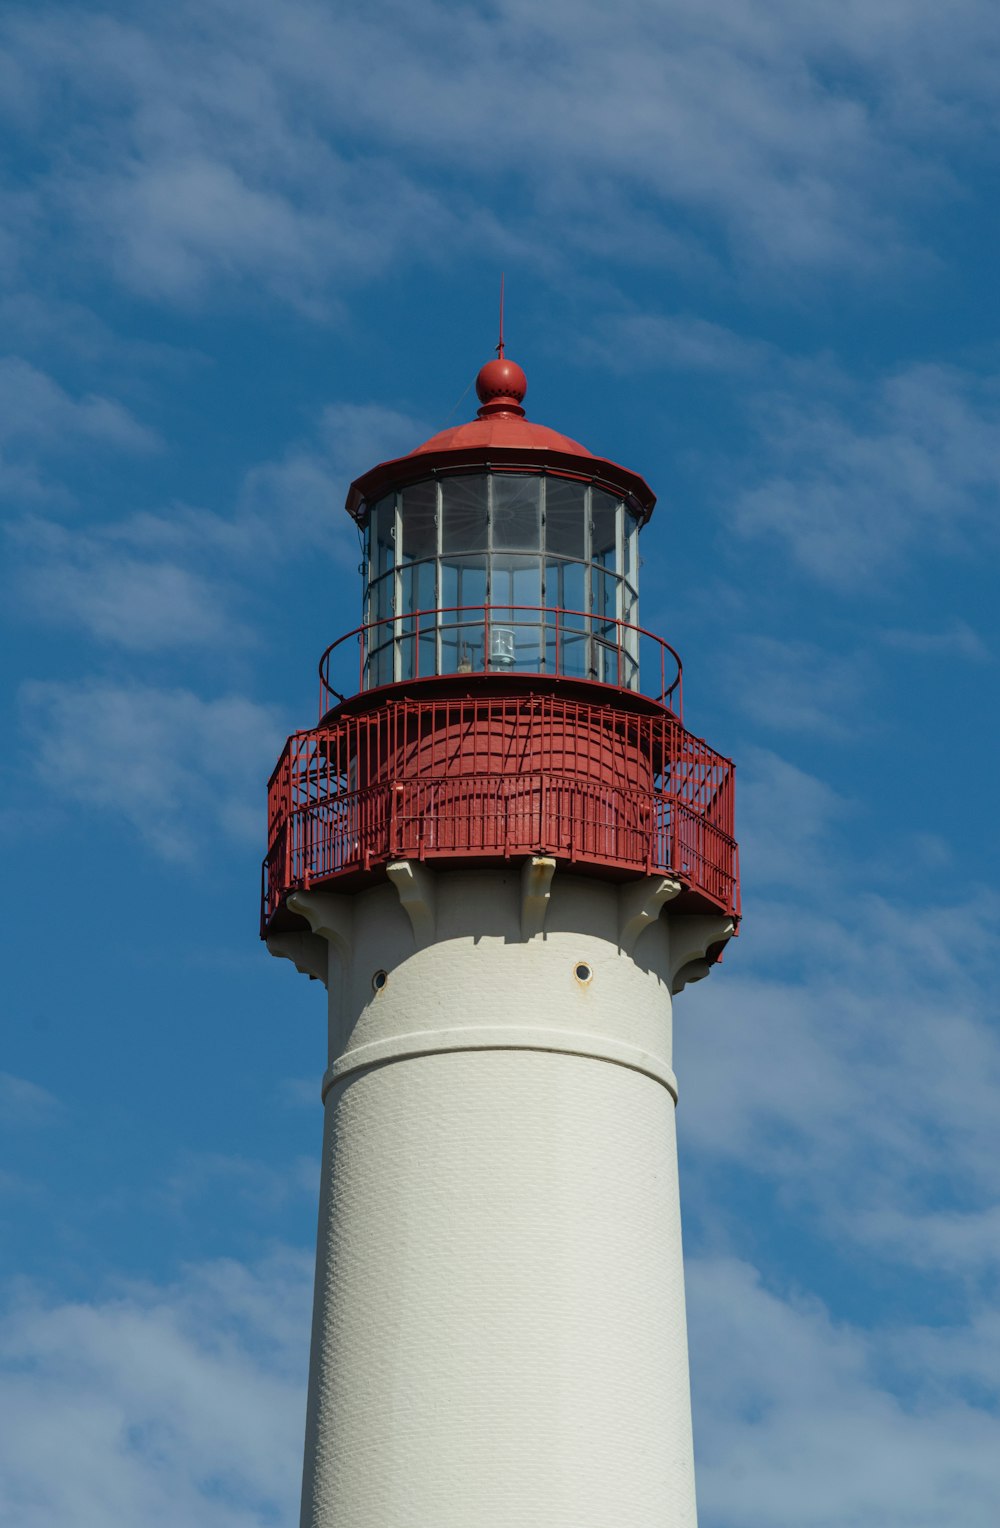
[(308, 953), (536, 893), (639, 904), (414, 884), (691, 939), (328, 916)]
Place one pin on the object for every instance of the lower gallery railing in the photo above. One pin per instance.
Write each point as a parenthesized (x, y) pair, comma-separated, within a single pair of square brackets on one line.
[(496, 777), (499, 816)]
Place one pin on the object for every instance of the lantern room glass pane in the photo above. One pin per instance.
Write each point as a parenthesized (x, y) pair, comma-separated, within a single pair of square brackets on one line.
[(603, 526), (516, 512), (608, 662), (462, 639), (380, 666), (417, 587), (515, 581), (382, 536), (565, 585), (565, 518), (380, 604), (463, 522), (604, 598), (463, 582), (574, 654), (418, 516)]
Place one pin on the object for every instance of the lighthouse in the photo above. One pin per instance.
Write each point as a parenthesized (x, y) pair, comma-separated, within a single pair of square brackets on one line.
[(504, 854)]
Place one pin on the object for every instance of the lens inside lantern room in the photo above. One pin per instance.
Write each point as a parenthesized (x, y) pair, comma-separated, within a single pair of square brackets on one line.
[(502, 571)]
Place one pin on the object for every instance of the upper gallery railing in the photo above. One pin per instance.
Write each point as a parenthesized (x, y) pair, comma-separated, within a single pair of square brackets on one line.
[(511, 639)]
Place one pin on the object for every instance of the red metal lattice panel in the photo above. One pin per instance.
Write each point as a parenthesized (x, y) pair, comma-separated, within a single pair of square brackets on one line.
[(496, 777)]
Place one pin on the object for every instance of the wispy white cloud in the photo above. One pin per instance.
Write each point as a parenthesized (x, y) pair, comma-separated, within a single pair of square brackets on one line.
[(188, 1400), (170, 762), (956, 641), (162, 1405), (864, 1075), (38, 323), (677, 341), (787, 817), (297, 501), (211, 168), (179, 579), (301, 148), (797, 686), (851, 488), (40, 423), (298, 1092), (25, 1104), (33, 407), (288, 506), (16, 1186), (257, 1186), (965, 1357), (955, 1243), (174, 766), (356, 435), (72, 578), (798, 1425), (854, 1063)]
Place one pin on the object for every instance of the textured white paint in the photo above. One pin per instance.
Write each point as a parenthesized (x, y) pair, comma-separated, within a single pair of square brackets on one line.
[(499, 1334)]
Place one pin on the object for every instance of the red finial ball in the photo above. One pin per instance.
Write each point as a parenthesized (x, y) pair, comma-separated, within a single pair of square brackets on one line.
[(501, 386)]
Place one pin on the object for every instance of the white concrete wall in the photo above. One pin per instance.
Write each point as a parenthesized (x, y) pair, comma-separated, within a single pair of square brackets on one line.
[(499, 1332)]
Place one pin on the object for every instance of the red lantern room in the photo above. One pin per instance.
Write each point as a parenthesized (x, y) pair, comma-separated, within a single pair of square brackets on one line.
[(501, 700)]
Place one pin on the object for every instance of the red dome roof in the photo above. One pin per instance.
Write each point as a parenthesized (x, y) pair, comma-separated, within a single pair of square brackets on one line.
[(501, 438), (508, 430)]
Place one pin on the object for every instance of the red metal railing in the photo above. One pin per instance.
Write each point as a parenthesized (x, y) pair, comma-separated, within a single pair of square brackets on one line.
[(571, 644), (497, 777)]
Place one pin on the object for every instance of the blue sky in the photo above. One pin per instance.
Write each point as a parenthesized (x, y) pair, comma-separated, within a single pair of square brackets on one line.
[(249, 250)]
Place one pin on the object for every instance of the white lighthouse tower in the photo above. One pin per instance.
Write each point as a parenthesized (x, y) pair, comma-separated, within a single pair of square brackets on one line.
[(502, 853)]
